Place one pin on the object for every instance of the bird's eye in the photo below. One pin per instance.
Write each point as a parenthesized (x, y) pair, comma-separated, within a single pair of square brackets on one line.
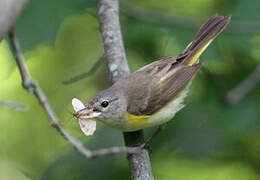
[(104, 104)]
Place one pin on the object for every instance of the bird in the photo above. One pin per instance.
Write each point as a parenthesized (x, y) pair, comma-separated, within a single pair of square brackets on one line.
[(152, 95)]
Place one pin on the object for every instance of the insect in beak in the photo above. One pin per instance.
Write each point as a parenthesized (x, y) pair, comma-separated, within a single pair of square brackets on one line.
[(86, 113), (83, 113)]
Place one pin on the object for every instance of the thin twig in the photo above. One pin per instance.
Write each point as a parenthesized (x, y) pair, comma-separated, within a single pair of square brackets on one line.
[(242, 89), (115, 54), (32, 86), (186, 22), (159, 18), (14, 105), (93, 69)]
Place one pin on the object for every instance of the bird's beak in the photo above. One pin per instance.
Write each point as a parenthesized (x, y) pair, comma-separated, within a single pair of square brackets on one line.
[(86, 113)]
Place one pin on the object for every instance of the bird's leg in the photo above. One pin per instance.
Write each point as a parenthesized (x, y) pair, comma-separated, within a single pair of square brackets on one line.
[(159, 129)]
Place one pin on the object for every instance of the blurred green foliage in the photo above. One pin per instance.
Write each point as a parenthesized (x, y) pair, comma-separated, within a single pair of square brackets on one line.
[(207, 140)]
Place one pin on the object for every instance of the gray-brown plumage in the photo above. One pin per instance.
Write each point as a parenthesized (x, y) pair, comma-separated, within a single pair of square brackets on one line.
[(154, 85), (155, 93)]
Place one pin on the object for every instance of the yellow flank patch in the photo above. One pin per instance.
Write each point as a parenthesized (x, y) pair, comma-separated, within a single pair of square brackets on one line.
[(195, 57), (137, 121)]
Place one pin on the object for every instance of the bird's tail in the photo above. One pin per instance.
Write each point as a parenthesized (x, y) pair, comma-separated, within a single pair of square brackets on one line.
[(207, 33)]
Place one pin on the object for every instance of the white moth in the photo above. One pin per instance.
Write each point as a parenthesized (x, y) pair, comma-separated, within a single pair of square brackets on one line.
[(87, 126)]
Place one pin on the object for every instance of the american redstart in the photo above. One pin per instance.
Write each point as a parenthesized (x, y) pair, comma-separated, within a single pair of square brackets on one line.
[(153, 94)]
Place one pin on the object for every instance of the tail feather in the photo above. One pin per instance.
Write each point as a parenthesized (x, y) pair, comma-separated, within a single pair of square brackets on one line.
[(207, 33)]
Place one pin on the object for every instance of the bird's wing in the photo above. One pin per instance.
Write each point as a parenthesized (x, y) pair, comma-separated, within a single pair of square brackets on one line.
[(168, 85), (161, 80), (157, 65)]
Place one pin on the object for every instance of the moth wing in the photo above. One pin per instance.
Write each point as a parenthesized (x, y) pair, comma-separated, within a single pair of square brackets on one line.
[(87, 126), (77, 104), (168, 87)]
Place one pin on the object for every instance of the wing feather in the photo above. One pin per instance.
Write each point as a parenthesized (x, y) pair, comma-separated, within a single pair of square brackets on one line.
[(169, 86)]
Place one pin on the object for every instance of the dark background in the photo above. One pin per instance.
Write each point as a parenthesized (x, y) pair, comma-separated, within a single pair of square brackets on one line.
[(211, 138)]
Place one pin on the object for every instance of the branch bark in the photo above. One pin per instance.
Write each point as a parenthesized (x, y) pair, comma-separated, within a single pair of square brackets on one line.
[(139, 163), (32, 86), (112, 39), (117, 63)]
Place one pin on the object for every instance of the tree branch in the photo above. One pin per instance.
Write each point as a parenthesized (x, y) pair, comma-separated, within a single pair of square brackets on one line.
[(186, 22), (159, 18), (10, 11), (241, 90), (139, 163), (32, 86), (112, 38), (115, 54), (93, 69), (14, 105)]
